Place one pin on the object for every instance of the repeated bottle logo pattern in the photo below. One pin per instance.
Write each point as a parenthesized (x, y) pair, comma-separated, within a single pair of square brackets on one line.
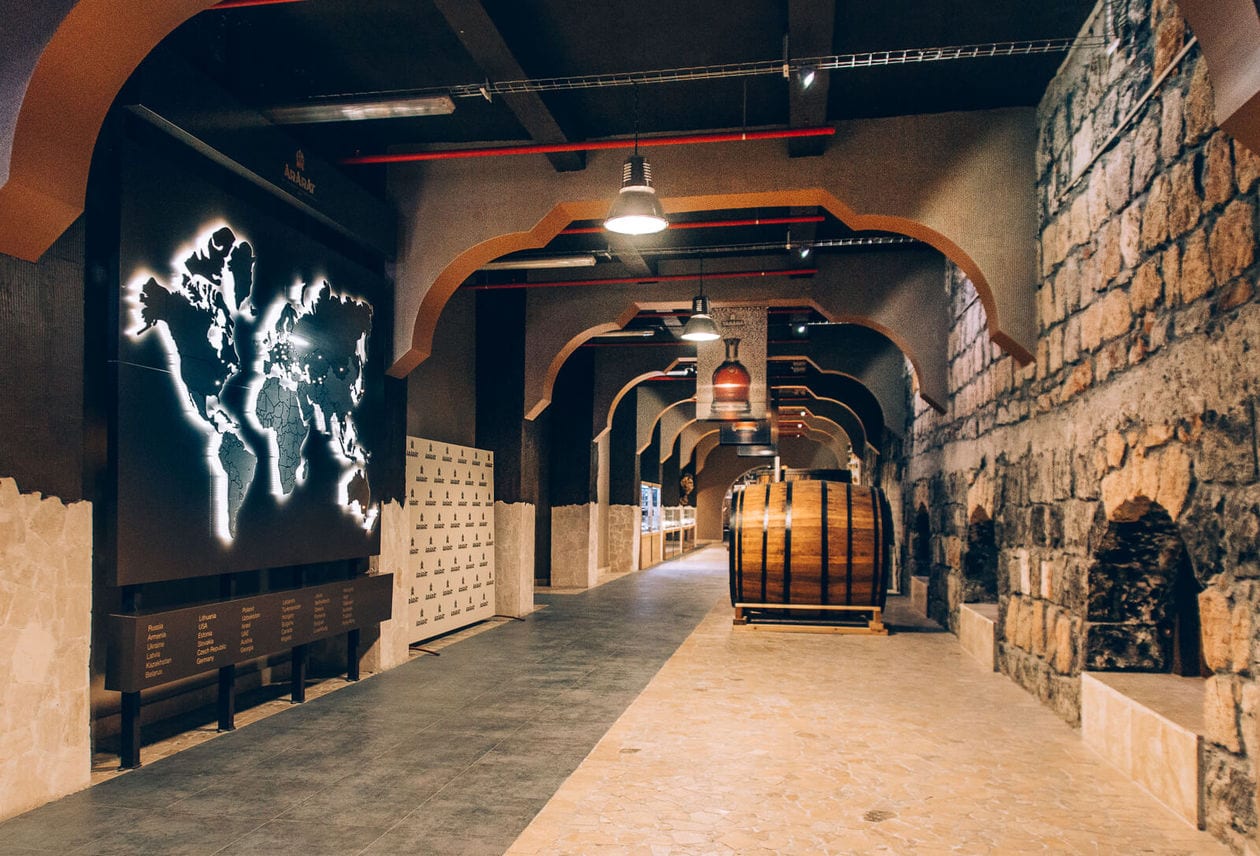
[(450, 506)]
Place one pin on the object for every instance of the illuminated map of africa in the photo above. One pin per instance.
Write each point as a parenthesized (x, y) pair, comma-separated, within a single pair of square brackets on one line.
[(304, 384)]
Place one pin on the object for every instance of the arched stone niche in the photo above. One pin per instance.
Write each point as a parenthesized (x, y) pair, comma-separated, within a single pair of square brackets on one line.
[(1141, 594), (980, 563)]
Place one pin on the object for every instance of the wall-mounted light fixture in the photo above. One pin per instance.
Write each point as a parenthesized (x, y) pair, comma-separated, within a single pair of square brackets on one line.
[(358, 111), (543, 262)]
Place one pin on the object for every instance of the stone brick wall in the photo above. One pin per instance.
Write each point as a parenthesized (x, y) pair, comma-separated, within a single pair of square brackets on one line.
[(1141, 400), (45, 637)]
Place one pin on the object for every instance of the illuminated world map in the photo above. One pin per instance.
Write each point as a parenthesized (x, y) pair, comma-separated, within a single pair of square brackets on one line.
[(260, 382)]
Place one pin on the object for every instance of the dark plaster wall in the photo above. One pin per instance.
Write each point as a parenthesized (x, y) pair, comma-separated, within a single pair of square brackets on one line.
[(442, 391), (41, 369)]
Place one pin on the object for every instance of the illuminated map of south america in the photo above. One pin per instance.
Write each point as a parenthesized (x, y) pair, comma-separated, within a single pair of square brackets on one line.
[(304, 386)]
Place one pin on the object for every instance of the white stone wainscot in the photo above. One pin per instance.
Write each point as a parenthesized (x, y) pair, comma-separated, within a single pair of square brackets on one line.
[(623, 538), (45, 638), (977, 625), (574, 547), (513, 558), (1148, 727), (390, 648)]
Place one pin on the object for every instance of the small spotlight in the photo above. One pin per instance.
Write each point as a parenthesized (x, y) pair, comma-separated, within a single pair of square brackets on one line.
[(804, 252), (808, 75), (800, 329)]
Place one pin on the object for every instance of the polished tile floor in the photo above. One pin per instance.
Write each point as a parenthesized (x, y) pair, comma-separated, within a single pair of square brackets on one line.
[(448, 754), (741, 743)]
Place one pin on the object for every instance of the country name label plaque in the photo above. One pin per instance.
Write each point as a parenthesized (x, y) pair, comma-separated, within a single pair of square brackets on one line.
[(148, 650)]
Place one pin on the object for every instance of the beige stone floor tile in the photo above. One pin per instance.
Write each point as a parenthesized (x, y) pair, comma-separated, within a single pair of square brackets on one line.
[(788, 743)]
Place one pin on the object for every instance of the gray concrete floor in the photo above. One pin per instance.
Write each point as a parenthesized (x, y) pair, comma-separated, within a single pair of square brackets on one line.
[(741, 743), (449, 754)]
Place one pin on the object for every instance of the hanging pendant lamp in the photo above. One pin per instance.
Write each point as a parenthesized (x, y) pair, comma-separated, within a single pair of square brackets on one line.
[(636, 210), (700, 326), (731, 385)]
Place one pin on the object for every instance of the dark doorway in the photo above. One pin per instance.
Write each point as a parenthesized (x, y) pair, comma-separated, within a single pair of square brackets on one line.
[(1143, 598), (980, 565)]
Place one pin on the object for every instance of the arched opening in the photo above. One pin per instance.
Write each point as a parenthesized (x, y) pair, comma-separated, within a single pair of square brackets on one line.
[(1142, 599), (980, 564)]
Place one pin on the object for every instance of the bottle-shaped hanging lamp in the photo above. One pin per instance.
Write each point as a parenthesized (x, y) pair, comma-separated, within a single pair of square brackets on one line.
[(731, 384)]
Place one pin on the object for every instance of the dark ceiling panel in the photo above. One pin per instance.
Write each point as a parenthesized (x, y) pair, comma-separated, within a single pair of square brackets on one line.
[(941, 87), (272, 55)]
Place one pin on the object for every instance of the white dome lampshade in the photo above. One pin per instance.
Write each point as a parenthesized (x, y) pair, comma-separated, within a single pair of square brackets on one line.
[(636, 210)]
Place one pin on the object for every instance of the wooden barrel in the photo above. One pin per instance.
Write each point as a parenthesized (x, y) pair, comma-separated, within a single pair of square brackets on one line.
[(809, 542)]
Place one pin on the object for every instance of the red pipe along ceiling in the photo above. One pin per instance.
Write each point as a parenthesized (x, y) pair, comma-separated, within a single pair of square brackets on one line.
[(589, 146), (241, 4), (713, 224), (643, 280)]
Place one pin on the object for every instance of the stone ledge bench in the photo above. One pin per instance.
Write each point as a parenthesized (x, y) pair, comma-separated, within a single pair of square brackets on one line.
[(919, 595), (1149, 727), (977, 632)]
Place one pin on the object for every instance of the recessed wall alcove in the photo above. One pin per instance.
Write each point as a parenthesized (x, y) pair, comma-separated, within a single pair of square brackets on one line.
[(1142, 596), (980, 564)]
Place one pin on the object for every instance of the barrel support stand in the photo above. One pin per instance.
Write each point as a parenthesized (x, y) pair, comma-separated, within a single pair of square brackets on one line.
[(874, 625)]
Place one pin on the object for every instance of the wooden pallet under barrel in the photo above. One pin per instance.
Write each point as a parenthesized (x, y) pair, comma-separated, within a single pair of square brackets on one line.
[(818, 548), (748, 617)]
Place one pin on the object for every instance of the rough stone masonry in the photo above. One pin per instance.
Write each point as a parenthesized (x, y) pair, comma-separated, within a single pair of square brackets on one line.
[(1129, 448)]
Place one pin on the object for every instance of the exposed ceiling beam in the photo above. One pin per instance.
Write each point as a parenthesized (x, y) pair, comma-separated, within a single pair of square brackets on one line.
[(803, 233), (628, 254), (810, 25), (474, 28)]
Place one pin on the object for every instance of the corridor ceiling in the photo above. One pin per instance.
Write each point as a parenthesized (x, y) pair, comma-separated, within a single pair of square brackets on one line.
[(592, 65), (286, 53)]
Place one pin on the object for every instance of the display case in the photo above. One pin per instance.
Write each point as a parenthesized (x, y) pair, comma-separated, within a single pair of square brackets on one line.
[(679, 530), (651, 541), (649, 507)]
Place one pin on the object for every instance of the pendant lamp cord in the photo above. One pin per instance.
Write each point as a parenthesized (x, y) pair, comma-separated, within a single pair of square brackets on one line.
[(702, 276), (636, 119)]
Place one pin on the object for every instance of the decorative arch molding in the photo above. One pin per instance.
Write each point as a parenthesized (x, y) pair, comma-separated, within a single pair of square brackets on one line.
[(898, 295), (962, 183), (861, 353), (655, 400), (959, 182), (619, 370), (673, 422), (837, 445), (706, 443), (62, 64), (840, 413), (838, 437), (1229, 34), (874, 411)]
